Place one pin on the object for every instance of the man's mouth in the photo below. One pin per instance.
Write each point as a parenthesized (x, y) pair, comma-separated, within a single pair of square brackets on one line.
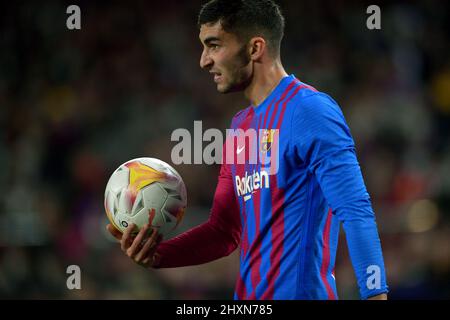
[(217, 76)]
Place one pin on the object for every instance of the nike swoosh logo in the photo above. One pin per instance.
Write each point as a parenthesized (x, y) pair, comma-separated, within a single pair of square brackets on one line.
[(239, 150)]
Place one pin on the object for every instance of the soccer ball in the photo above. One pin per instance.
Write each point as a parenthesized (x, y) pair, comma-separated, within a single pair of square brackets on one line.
[(145, 191)]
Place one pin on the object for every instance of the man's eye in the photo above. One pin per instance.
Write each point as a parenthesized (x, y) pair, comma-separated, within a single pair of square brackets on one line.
[(214, 46)]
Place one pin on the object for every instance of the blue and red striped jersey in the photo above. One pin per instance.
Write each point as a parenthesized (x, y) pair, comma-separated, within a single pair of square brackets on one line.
[(289, 178), (291, 207)]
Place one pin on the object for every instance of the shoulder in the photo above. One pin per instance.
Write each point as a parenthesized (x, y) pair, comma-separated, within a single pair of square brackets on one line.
[(314, 105), (317, 116), (239, 117)]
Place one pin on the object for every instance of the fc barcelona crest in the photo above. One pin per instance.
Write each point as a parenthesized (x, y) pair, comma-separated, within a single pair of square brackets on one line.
[(267, 139)]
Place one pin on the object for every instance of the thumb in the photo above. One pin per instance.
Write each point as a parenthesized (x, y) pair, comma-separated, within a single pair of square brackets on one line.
[(114, 232)]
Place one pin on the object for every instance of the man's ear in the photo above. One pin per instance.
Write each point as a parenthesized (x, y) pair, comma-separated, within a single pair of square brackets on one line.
[(257, 48)]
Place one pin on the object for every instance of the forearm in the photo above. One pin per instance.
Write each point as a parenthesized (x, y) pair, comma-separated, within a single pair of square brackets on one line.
[(214, 239), (365, 251), (201, 244)]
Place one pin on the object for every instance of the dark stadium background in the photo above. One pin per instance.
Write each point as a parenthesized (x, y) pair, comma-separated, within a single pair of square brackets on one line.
[(76, 104)]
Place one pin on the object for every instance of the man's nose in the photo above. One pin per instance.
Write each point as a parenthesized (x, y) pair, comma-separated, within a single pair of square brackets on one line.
[(205, 60)]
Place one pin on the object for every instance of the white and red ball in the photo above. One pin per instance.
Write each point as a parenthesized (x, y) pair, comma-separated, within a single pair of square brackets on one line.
[(145, 191)]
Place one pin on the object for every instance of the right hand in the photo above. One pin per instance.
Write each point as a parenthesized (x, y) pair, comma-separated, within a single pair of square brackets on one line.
[(140, 248)]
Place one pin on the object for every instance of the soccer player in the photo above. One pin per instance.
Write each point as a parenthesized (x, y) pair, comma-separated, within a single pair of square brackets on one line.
[(285, 221)]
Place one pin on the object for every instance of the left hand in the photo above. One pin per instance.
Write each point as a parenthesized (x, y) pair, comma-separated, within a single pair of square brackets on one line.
[(382, 296)]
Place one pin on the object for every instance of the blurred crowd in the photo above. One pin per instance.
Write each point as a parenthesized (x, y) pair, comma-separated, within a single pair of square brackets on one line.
[(75, 104)]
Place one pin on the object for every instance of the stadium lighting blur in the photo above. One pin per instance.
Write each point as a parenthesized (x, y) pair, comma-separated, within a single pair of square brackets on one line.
[(422, 216)]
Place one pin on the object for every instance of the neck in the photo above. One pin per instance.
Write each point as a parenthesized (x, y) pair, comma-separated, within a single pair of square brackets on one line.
[(265, 78)]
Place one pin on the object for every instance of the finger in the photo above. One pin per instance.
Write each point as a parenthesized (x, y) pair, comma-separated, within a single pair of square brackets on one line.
[(149, 244), (152, 252), (155, 235), (156, 260), (137, 241), (126, 239), (114, 232), (146, 261), (152, 260)]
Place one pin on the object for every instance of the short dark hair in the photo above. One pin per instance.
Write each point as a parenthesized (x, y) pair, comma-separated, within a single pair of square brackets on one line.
[(246, 19)]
